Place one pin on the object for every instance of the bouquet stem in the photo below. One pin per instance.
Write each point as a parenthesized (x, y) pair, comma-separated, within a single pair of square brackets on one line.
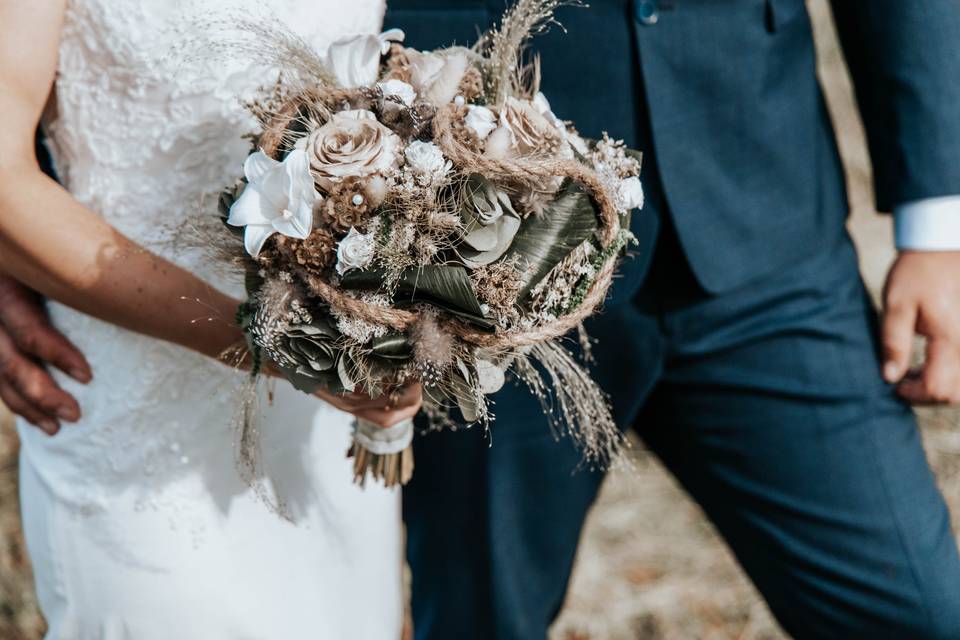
[(385, 454)]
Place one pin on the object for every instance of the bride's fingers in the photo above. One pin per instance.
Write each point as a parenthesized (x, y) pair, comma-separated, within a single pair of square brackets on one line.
[(410, 396), (388, 418)]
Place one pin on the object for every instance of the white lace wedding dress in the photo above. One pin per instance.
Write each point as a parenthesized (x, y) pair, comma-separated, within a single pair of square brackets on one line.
[(137, 521)]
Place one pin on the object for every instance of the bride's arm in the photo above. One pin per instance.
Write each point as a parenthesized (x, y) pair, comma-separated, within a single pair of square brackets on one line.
[(61, 249), (56, 246)]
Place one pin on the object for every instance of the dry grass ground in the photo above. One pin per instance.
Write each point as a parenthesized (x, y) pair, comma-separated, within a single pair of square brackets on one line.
[(650, 565)]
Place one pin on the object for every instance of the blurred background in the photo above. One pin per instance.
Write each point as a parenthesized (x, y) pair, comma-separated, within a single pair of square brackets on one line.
[(650, 565)]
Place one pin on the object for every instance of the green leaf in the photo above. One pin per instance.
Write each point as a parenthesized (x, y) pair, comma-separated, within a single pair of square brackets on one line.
[(393, 346), (446, 287), (543, 241)]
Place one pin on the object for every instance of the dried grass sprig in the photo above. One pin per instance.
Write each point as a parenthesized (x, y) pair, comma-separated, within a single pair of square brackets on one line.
[(503, 46), (573, 402), (262, 39)]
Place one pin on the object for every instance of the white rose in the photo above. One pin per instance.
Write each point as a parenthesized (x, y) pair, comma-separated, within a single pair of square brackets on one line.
[(353, 144), (425, 158), (437, 76), (480, 120), (630, 194), (355, 251), (355, 60), (399, 89)]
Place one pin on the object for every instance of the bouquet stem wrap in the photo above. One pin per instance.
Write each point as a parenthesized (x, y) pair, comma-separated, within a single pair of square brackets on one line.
[(385, 454)]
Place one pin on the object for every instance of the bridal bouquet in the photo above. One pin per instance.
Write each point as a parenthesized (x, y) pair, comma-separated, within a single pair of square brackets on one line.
[(411, 216)]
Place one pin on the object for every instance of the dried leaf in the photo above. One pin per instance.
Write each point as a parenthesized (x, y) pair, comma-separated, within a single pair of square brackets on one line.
[(543, 241)]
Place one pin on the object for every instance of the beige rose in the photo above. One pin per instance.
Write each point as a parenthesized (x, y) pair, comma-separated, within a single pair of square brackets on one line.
[(353, 144), (523, 130), (436, 77)]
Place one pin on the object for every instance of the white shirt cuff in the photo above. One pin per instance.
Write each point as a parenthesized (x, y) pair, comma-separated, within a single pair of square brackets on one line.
[(932, 224)]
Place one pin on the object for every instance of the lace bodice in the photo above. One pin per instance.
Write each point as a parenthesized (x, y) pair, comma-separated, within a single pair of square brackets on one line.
[(141, 135), (143, 130)]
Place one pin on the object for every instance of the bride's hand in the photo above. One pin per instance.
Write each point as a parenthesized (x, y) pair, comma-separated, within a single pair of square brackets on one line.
[(384, 411)]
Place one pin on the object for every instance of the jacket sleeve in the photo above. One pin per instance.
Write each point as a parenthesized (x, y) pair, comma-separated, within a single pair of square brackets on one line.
[(904, 56)]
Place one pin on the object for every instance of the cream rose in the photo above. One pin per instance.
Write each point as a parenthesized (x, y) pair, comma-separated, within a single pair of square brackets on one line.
[(523, 130), (353, 144)]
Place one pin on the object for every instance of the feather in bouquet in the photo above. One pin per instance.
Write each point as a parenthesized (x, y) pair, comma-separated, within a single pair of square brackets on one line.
[(413, 216)]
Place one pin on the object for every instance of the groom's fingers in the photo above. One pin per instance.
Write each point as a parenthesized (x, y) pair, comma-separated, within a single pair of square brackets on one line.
[(939, 380), (48, 345), (33, 391), (899, 325), (19, 405), (23, 316)]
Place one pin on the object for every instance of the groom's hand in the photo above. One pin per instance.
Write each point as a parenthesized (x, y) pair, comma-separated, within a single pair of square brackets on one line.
[(28, 342), (922, 297)]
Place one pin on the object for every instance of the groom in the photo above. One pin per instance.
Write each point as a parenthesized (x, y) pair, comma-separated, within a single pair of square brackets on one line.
[(740, 343)]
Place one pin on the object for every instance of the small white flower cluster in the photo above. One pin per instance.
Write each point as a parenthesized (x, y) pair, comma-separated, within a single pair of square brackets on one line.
[(426, 163), (360, 330), (298, 314), (619, 172), (557, 289)]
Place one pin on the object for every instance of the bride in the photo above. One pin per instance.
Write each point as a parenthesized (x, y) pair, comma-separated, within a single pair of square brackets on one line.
[(137, 522)]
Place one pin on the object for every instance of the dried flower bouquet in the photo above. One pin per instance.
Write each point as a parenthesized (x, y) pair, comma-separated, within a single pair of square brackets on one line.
[(412, 216)]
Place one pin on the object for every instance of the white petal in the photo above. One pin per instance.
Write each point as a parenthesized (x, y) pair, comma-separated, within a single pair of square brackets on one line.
[(388, 37), (482, 238), (297, 226), (297, 166), (274, 188), (399, 89), (247, 209), (355, 61), (257, 164), (255, 236)]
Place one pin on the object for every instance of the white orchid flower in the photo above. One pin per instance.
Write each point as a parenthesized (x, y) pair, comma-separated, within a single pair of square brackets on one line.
[(355, 61), (278, 199)]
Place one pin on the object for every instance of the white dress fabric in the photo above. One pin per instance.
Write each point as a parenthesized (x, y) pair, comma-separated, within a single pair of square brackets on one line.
[(137, 520)]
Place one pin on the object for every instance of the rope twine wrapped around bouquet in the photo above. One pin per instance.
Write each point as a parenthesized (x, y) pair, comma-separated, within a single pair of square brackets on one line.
[(608, 219)]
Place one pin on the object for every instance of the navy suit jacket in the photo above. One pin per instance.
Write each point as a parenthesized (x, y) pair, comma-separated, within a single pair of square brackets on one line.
[(723, 97)]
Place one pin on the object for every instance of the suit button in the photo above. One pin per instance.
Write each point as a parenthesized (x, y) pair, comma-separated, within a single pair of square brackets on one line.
[(646, 12)]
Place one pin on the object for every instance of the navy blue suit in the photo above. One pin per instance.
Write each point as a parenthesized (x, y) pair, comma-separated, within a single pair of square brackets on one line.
[(740, 343)]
